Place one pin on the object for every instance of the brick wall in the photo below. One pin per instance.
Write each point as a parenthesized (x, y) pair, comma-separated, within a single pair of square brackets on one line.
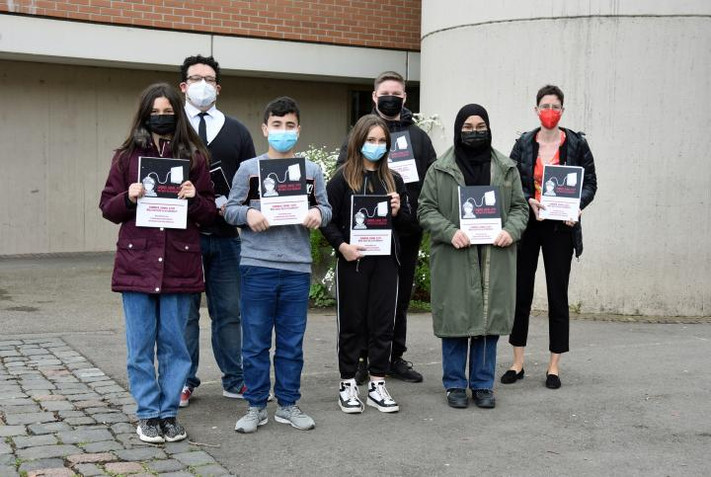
[(375, 23)]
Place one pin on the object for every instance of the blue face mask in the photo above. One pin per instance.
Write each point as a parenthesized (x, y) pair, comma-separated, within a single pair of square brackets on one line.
[(373, 152), (283, 140)]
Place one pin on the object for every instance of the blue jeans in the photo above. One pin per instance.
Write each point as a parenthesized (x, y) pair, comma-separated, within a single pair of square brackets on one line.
[(155, 324), (482, 362), (220, 261), (276, 300)]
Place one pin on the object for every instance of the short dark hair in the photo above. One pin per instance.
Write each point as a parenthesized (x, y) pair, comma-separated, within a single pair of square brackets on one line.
[(549, 89), (199, 60), (281, 106), (388, 76)]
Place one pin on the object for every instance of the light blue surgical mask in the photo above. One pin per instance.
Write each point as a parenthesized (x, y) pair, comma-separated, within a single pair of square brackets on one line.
[(283, 140), (373, 152)]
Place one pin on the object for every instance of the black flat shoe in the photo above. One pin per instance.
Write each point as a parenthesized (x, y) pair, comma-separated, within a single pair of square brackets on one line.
[(552, 381), (511, 376), (457, 398)]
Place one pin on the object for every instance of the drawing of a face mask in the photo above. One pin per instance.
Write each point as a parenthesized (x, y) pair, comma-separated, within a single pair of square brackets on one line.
[(176, 175), (490, 198), (571, 179), (294, 172)]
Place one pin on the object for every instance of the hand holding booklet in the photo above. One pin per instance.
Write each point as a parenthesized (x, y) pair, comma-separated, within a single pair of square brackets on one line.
[(161, 178), (562, 187), (371, 223), (480, 213), (282, 190)]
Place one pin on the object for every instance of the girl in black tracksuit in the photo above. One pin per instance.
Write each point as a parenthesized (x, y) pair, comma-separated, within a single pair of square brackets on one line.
[(366, 285)]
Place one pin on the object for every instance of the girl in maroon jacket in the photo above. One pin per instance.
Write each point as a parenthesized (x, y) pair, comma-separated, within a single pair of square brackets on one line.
[(156, 269)]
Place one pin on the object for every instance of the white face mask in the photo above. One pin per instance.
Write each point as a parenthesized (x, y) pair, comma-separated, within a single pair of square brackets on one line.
[(202, 94)]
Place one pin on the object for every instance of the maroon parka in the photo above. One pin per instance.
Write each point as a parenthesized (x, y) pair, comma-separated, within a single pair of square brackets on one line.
[(157, 260)]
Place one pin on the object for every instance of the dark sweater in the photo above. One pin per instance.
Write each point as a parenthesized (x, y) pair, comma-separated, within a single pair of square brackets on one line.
[(232, 146)]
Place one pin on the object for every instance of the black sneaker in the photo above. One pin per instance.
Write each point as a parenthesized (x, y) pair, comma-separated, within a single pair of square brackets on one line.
[(402, 370), (172, 430), (361, 375), (149, 430), (457, 398), (484, 398)]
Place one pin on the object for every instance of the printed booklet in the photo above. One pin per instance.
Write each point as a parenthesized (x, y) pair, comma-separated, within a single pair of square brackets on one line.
[(480, 213), (562, 187), (401, 158), (371, 223), (161, 178), (282, 190)]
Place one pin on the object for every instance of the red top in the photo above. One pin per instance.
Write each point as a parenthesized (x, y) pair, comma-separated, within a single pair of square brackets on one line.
[(538, 167)]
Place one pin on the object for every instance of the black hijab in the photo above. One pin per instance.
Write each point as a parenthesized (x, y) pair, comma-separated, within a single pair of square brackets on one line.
[(475, 164)]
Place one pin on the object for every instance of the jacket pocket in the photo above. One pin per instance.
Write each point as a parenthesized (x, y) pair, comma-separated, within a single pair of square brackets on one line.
[(184, 264), (130, 258)]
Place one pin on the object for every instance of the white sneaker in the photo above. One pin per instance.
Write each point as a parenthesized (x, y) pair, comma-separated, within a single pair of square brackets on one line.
[(348, 398), (379, 397)]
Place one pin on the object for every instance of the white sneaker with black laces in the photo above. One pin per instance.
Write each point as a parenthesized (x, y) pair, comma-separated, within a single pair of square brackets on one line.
[(379, 397), (348, 398)]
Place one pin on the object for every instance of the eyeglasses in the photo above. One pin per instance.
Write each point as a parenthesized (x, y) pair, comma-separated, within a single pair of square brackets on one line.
[(196, 78), (554, 107)]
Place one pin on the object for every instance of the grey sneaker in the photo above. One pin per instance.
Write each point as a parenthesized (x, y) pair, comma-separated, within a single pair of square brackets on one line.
[(254, 418), (172, 430), (148, 430), (294, 416)]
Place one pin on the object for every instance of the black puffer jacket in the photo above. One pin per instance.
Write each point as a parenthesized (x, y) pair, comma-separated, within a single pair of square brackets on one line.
[(573, 152), (422, 148)]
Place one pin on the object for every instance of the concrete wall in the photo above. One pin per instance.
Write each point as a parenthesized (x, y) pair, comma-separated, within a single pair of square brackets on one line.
[(60, 123), (637, 78)]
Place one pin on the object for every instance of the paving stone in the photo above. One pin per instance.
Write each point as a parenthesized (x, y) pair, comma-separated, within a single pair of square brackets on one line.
[(5, 448), (55, 372), (8, 471), (123, 467), (73, 437), (122, 427), (73, 388), (109, 389), (177, 474), (83, 397), (64, 379), (88, 404), (7, 459), (88, 470), (213, 470), (49, 427), (177, 447), (166, 465), (99, 410), (38, 385), (41, 464), (46, 439), (79, 421), (103, 446), (7, 395), (194, 458), (50, 397), (8, 343), (55, 472), (26, 409), (31, 418), (57, 406), (90, 372), (8, 353), (47, 451), (97, 380), (73, 413), (10, 431), (33, 351), (129, 439), (126, 398), (129, 409), (111, 417), (93, 457), (141, 453)]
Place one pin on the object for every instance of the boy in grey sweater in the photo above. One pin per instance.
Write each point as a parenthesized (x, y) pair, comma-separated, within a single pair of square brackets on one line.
[(275, 269)]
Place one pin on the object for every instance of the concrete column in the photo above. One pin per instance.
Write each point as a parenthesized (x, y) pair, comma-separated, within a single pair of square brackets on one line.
[(637, 80)]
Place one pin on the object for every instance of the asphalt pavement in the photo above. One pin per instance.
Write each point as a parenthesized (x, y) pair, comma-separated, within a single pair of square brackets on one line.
[(635, 398)]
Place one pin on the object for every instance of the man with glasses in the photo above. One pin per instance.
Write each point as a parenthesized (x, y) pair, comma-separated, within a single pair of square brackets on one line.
[(229, 143)]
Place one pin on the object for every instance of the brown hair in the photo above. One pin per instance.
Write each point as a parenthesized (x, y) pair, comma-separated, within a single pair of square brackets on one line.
[(185, 141), (388, 76), (549, 89), (353, 167)]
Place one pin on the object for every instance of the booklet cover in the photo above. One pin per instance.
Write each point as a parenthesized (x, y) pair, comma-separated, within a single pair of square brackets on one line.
[(480, 213), (402, 158), (220, 185), (161, 178), (282, 190), (562, 187), (371, 223)]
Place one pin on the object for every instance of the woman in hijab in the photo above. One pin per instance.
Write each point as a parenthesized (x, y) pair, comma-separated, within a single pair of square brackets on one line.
[(473, 286)]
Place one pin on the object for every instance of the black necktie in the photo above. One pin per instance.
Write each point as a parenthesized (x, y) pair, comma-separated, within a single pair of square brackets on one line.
[(202, 128)]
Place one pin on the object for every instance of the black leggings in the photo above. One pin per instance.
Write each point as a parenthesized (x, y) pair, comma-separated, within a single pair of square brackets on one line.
[(556, 240)]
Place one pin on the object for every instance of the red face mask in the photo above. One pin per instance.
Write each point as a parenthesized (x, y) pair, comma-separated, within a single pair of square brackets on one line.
[(549, 117)]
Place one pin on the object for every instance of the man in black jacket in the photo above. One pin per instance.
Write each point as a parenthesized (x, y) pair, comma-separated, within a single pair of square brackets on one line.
[(412, 153), (229, 143)]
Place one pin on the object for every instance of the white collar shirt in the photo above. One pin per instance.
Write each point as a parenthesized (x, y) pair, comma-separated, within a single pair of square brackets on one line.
[(214, 120)]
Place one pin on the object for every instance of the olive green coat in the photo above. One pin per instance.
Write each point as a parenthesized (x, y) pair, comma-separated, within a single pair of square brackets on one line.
[(469, 300)]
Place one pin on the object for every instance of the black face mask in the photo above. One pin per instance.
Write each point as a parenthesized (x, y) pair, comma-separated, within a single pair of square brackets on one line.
[(390, 105), (476, 140), (161, 123)]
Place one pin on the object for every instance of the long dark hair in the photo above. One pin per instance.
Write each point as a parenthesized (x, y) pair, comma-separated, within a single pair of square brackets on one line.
[(353, 168), (185, 143)]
